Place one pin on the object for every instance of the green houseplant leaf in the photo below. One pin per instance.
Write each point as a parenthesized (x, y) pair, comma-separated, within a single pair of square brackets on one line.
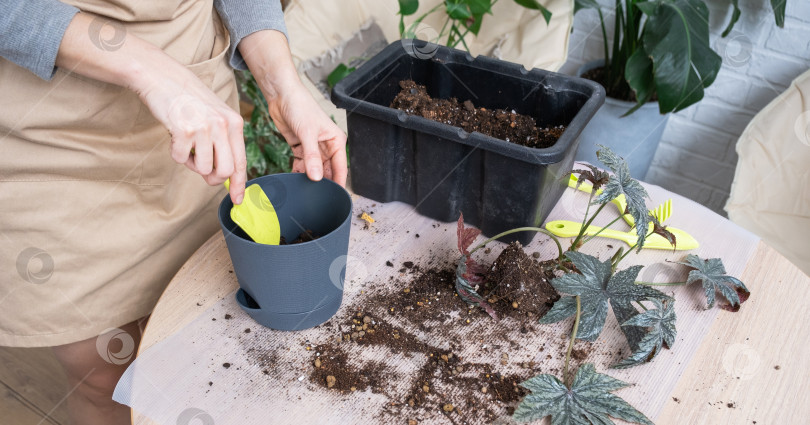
[(254, 156), (457, 9), (621, 183), (735, 16), (779, 12), (585, 4), (588, 401), (478, 8), (340, 72), (266, 149), (408, 7), (676, 37), (639, 75), (597, 286), (535, 5), (713, 276), (661, 333)]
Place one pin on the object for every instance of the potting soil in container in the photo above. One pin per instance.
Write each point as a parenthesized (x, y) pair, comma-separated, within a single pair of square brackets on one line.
[(501, 124)]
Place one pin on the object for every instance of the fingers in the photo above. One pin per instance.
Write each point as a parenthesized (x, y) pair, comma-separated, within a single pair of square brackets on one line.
[(237, 144), (213, 146), (312, 156), (339, 164), (203, 152), (180, 148), (206, 134), (223, 158)]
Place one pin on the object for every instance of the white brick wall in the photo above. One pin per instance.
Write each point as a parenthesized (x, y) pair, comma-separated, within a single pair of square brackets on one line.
[(697, 155)]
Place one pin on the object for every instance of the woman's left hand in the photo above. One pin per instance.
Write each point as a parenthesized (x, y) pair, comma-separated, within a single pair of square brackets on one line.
[(318, 144)]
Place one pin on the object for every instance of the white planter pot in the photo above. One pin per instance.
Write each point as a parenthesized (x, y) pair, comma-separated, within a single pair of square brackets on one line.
[(634, 137)]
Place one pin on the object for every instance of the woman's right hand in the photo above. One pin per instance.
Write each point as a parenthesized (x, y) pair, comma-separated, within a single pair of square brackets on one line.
[(206, 134)]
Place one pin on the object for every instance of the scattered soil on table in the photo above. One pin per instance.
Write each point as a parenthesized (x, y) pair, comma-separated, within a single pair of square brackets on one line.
[(499, 123), (332, 370), (305, 236), (455, 373), (429, 297), (442, 370), (519, 286), (516, 286), (579, 354), (445, 383)]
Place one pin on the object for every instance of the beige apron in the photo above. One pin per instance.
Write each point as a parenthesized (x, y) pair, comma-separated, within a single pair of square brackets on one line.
[(95, 217)]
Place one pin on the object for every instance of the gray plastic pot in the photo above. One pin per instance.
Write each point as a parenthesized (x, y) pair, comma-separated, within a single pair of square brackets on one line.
[(293, 287), (634, 137)]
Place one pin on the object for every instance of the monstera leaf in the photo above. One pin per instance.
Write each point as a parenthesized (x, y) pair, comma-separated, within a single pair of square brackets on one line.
[(712, 274), (660, 323), (596, 288), (676, 39), (622, 183), (588, 401)]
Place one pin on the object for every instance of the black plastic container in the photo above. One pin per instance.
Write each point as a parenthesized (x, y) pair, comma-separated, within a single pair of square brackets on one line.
[(298, 286), (443, 170)]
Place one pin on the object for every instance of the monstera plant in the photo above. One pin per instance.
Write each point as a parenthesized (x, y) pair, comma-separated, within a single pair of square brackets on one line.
[(661, 50)]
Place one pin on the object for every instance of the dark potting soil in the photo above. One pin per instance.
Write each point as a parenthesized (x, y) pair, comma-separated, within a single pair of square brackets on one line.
[(620, 91), (332, 370), (428, 301), (305, 236), (519, 286), (499, 123)]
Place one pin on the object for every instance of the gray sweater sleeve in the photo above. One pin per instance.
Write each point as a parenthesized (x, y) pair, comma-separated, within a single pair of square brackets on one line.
[(31, 32), (244, 17)]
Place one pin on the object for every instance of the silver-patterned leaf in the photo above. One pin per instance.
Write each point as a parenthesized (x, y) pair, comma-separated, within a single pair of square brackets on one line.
[(622, 183), (660, 323), (596, 288), (712, 274), (588, 401), (563, 308)]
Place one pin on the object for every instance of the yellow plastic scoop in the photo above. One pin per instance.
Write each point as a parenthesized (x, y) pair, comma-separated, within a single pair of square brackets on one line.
[(569, 229), (256, 216)]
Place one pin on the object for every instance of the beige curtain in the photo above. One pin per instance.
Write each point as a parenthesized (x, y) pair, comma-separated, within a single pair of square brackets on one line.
[(513, 33), (770, 195)]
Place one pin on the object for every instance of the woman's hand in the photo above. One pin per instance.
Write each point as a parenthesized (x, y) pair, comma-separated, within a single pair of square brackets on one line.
[(206, 135), (318, 144)]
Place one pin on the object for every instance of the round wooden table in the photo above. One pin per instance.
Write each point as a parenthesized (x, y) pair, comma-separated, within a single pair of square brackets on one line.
[(771, 329)]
